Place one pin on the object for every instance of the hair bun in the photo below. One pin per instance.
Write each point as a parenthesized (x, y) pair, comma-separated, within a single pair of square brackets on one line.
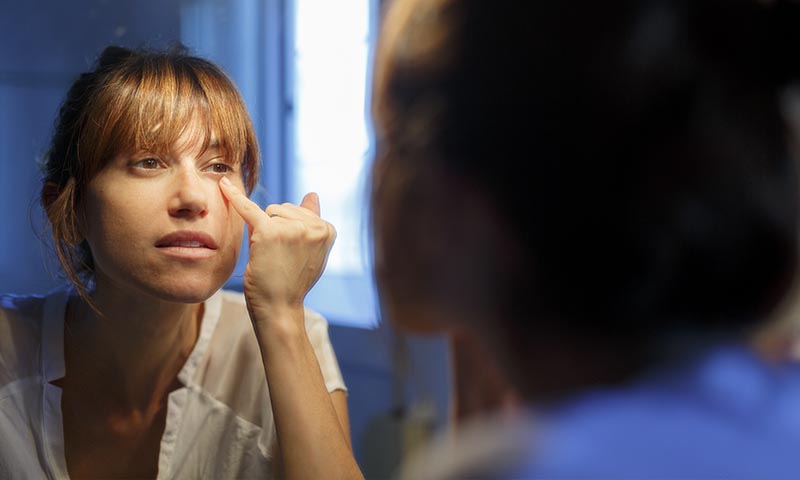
[(113, 55)]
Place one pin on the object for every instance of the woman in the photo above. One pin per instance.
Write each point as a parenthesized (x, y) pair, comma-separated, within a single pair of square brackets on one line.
[(146, 368), (597, 200)]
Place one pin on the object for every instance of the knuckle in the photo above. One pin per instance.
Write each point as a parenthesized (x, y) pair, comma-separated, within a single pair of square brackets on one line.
[(318, 231)]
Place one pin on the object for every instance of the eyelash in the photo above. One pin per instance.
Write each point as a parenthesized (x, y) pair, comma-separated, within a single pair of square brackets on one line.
[(213, 166), (152, 166), (151, 163)]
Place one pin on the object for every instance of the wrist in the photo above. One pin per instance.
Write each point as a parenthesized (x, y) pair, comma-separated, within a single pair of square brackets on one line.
[(279, 322), (282, 337)]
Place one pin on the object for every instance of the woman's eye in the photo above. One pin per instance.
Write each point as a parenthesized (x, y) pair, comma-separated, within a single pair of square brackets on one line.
[(219, 168), (147, 163)]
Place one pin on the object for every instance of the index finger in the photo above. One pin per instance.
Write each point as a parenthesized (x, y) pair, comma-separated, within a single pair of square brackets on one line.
[(246, 208)]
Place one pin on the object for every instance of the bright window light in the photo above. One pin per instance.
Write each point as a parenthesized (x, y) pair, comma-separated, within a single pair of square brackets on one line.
[(330, 145)]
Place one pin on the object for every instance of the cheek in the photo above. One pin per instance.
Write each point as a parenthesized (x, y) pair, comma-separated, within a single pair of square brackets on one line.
[(106, 216), (236, 228), (232, 231), (232, 221)]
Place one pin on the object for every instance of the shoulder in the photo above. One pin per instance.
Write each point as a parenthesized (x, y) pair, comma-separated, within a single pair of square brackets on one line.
[(727, 415), (20, 336), (231, 369), (15, 308), (235, 329)]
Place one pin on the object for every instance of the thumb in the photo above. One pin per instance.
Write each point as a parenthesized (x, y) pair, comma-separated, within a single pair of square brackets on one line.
[(311, 202)]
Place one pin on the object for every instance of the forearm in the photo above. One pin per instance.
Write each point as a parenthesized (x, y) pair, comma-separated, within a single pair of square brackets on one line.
[(312, 441), (289, 246)]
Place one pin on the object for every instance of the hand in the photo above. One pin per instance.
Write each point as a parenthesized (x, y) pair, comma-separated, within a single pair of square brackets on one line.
[(289, 246)]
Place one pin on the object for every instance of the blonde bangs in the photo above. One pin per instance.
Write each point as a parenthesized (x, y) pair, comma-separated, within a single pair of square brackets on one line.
[(149, 105), (231, 124)]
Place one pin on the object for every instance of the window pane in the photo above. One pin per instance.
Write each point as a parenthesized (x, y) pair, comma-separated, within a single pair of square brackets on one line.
[(331, 147)]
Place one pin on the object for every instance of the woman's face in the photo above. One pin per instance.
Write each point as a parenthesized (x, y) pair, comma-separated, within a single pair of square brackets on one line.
[(158, 224)]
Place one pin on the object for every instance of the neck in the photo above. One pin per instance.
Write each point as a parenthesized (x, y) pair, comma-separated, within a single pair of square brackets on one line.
[(140, 343)]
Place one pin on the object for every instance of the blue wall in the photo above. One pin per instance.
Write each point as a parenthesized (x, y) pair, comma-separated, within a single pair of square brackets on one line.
[(47, 43)]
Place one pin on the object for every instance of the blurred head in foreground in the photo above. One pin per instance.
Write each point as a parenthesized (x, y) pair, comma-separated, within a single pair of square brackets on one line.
[(577, 182)]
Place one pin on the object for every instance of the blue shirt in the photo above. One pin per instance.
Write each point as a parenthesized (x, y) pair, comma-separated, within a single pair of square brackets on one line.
[(729, 415)]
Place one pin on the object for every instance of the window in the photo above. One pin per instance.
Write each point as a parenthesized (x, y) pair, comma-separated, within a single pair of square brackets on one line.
[(330, 145), (303, 68)]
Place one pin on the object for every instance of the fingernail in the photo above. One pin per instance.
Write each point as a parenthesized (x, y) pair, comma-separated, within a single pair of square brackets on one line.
[(225, 181)]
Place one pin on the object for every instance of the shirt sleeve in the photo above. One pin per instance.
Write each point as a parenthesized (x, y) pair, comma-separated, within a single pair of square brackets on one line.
[(317, 330)]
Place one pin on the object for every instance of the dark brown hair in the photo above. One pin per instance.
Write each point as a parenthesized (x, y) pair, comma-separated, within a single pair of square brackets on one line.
[(635, 151)]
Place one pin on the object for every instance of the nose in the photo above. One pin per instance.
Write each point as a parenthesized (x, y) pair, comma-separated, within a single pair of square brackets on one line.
[(189, 197)]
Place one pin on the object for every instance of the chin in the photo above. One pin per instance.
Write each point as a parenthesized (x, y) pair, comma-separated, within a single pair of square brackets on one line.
[(163, 282), (189, 297), (193, 290)]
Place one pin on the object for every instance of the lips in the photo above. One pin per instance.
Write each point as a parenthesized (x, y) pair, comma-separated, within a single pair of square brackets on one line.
[(187, 239)]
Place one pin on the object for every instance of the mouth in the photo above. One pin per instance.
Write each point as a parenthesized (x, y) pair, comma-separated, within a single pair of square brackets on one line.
[(187, 242)]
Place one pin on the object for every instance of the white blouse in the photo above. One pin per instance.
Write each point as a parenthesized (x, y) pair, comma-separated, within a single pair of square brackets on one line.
[(219, 423)]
